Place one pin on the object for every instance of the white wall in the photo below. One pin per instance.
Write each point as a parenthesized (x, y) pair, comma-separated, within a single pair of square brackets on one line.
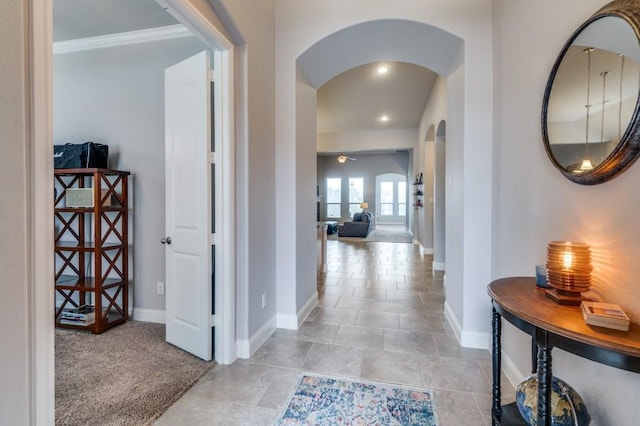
[(15, 258), (115, 96), (537, 204), (301, 24)]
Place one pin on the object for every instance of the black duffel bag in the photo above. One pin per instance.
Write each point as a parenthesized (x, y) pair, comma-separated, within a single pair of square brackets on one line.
[(80, 156)]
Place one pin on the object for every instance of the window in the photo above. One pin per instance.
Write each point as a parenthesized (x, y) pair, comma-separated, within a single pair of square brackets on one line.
[(334, 195), (402, 198), (356, 191), (392, 198), (386, 198)]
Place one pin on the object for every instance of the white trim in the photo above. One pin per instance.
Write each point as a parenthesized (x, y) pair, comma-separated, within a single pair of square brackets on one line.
[(475, 339), (289, 322), (423, 250), (511, 371), (121, 39), (242, 191), (467, 339), (453, 320), (188, 15), (246, 348), (439, 266), (41, 350), (293, 322), (40, 229), (306, 309), (225, 291), (149, 315)]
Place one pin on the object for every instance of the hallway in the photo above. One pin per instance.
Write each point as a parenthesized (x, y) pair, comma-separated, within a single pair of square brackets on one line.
[(380, 317)]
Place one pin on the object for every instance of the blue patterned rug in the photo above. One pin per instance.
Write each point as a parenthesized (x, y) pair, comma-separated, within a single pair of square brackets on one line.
[(320, 400)]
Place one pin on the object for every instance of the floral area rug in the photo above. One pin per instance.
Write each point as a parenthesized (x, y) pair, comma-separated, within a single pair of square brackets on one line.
[(320, 400)]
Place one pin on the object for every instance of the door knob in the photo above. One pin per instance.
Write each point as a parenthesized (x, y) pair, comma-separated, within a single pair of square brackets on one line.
[(166, 240)]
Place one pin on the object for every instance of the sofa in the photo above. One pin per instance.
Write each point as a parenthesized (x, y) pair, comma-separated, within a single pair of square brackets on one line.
[(361, 225)]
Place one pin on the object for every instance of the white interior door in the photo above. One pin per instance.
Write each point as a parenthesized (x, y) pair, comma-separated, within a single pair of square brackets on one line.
[(189, 282)]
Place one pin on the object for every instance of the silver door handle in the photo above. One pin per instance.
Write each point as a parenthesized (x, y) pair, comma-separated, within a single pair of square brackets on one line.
[(166, 240)]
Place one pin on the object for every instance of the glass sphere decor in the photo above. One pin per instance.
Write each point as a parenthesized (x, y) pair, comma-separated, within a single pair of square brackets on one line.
[(567, 407)]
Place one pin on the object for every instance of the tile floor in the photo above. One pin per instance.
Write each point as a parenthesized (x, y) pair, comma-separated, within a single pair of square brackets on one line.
[(380, 317)]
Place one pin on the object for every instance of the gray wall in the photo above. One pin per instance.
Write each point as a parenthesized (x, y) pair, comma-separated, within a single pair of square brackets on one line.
[(255, 161), (116, 96), (367, 166), (306, 196)]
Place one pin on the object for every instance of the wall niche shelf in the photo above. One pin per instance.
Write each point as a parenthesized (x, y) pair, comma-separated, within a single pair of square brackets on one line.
[(91, 248), (418, 191)]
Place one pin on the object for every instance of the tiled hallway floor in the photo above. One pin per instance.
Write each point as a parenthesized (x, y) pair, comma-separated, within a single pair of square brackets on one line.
[(380, 317)]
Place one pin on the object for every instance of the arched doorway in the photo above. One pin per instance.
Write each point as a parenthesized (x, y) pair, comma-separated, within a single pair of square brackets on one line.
[(379, 40), (456, 49)]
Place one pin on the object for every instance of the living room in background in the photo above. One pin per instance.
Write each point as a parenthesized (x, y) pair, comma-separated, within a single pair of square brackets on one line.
[(334, 195), (391, 190), (356, 194)]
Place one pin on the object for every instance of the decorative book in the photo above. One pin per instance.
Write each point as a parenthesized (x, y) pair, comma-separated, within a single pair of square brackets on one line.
[(607, 315), (82, 315)]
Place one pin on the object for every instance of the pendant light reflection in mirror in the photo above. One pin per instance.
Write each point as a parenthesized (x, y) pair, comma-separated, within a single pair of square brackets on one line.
[(591, 139)]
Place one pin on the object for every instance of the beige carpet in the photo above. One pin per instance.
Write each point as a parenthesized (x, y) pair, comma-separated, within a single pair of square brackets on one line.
[(126, 376)]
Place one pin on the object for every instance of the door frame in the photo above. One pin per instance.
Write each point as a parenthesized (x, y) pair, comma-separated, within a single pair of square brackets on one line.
[(41, 307)]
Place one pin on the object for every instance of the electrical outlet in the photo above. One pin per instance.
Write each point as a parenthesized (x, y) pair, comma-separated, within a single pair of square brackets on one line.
[(160, 287), (264, 299)]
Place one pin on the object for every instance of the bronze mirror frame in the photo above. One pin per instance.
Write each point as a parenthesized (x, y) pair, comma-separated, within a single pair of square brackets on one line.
[(628, 148)]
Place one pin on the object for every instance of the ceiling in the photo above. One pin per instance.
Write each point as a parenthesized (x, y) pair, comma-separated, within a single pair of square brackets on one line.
[(74, 19), (356, 99), (351, 101)]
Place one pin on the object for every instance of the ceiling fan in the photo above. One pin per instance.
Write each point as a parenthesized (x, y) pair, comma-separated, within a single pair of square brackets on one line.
[(343, 158)]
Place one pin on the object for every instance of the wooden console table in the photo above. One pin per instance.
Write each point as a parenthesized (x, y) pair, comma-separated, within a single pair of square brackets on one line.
[(550, 325)]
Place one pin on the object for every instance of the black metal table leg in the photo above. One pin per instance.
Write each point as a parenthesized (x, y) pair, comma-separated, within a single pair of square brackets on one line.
[(496, 409), (545, 377)]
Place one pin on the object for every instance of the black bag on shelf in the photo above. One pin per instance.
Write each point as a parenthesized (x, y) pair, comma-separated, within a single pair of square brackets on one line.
[(81, 156)]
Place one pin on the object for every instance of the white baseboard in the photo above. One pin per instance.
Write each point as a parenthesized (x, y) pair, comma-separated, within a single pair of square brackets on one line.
[(453, 320), (467, 339), (289, 322), (511, 372), (149, 315), (439, 266), (475, 339), (422, 249), (246, 348), (292, 322), (306, 309)]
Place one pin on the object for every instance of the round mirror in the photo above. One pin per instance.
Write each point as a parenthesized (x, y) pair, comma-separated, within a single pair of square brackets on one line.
[(590, 107)]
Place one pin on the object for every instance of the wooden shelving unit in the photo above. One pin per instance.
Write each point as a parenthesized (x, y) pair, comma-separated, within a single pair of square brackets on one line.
[(91, 247)]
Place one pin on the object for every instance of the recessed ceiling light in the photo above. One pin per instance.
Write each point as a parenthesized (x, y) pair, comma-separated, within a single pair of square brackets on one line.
[(382, 69), (384, 118)]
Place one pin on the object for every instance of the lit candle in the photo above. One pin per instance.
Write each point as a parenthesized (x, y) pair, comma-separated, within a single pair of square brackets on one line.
[(567, 260)]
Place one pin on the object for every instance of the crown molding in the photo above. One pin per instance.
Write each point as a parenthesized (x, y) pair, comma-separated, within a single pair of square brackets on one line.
[(121, 39)]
